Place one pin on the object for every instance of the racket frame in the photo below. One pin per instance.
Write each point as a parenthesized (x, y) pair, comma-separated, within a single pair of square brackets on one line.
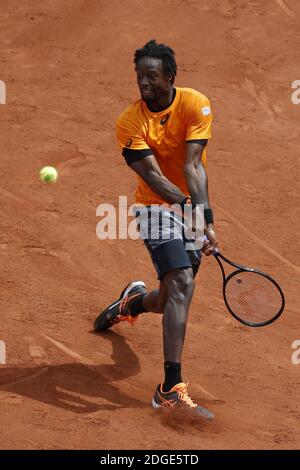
[(242, 269)]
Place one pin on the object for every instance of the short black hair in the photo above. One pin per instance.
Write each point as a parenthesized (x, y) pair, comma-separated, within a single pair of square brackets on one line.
[(158, 51)]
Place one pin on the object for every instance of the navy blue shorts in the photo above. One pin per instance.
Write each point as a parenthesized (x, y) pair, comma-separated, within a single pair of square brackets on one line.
[(163, 234)]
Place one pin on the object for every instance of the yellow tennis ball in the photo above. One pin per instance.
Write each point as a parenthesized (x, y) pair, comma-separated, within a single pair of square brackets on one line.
[(48, 174)]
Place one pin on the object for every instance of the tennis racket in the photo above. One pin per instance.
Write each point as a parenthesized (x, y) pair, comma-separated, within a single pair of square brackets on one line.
[(253, 297)]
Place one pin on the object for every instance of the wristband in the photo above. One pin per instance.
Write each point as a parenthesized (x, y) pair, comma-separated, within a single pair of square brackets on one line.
[(208, 216)]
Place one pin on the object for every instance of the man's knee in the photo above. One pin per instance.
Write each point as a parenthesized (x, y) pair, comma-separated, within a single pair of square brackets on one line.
[(180, 283), (160, 304)]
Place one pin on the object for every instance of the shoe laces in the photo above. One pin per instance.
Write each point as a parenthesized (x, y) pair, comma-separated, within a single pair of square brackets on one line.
[(125, 303), (124, 310), (183, 395), (129, 319)]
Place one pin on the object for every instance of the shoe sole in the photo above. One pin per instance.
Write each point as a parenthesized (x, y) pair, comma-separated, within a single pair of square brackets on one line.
[(101, 324), (201, 411), (155, 405)]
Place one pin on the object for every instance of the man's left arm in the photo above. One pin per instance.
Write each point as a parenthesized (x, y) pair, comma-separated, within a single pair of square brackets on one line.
[(195, 174), (197, 183)]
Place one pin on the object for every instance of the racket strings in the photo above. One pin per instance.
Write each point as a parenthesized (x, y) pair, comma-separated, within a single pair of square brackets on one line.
[(253, 297)]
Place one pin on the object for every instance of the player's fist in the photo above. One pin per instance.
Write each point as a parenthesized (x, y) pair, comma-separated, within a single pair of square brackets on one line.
[(212, 242)]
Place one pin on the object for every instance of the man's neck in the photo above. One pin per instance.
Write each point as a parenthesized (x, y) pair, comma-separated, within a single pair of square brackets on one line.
[(163, 102)]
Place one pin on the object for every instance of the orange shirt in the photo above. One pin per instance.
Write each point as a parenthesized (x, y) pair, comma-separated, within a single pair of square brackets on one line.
[(166, 132)]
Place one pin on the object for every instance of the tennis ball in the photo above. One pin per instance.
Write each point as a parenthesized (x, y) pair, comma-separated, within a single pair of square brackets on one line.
[(48, 174)]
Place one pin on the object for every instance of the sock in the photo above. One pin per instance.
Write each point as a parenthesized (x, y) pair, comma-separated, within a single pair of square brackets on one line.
[(136, 306), (172, 375)]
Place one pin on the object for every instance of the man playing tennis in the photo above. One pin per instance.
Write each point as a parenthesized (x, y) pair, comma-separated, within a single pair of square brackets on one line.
[(163, 137)]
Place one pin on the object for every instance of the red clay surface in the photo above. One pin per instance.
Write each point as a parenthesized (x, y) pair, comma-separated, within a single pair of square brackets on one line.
[(69, 73)]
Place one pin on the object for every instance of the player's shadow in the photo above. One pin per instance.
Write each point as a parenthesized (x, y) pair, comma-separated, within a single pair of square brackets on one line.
[(78, 387)]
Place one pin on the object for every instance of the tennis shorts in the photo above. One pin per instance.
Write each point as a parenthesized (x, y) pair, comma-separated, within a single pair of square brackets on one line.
[(163, 233)]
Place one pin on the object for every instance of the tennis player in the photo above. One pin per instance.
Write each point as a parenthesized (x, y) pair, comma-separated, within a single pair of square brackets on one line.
[(163, 137)]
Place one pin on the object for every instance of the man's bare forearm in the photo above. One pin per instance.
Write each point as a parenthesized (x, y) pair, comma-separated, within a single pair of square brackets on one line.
[(149, 170), (197, 183), (164, 188)]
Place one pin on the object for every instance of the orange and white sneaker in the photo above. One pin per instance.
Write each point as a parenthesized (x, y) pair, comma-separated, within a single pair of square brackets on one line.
[(120, 309), (178, 397)]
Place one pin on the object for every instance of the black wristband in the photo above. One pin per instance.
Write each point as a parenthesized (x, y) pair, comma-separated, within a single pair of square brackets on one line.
[(208, 216), (189, 202)]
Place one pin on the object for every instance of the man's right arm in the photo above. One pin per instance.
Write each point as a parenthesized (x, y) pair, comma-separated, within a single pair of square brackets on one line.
[(139, 157), (148, 169)]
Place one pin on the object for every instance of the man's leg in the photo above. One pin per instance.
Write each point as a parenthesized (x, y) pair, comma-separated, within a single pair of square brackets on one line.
[(155, 300), (173, 300), (180, 287)]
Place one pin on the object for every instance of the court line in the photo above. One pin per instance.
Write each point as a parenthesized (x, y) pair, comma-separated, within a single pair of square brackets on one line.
[(259, 241), (285, 8), (70, 352), (25, 379), (84, 360)]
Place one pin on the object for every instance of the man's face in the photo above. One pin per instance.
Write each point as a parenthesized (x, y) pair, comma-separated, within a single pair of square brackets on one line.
[(151, 79)]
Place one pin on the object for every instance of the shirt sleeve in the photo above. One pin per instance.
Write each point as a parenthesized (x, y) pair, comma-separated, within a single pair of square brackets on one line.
[(129, 135), (199, 119), (131, 141)]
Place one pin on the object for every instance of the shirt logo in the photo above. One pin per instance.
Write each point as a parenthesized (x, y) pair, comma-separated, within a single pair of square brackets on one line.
[(164, 119), (205, 110), (128, 143)]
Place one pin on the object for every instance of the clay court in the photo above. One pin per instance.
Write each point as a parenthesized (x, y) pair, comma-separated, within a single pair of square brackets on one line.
[(68, 69)]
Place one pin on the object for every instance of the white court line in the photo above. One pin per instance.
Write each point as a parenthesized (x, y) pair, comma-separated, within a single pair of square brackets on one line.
[(285, 8), (73, 354), (259, 241), (85, 361)]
